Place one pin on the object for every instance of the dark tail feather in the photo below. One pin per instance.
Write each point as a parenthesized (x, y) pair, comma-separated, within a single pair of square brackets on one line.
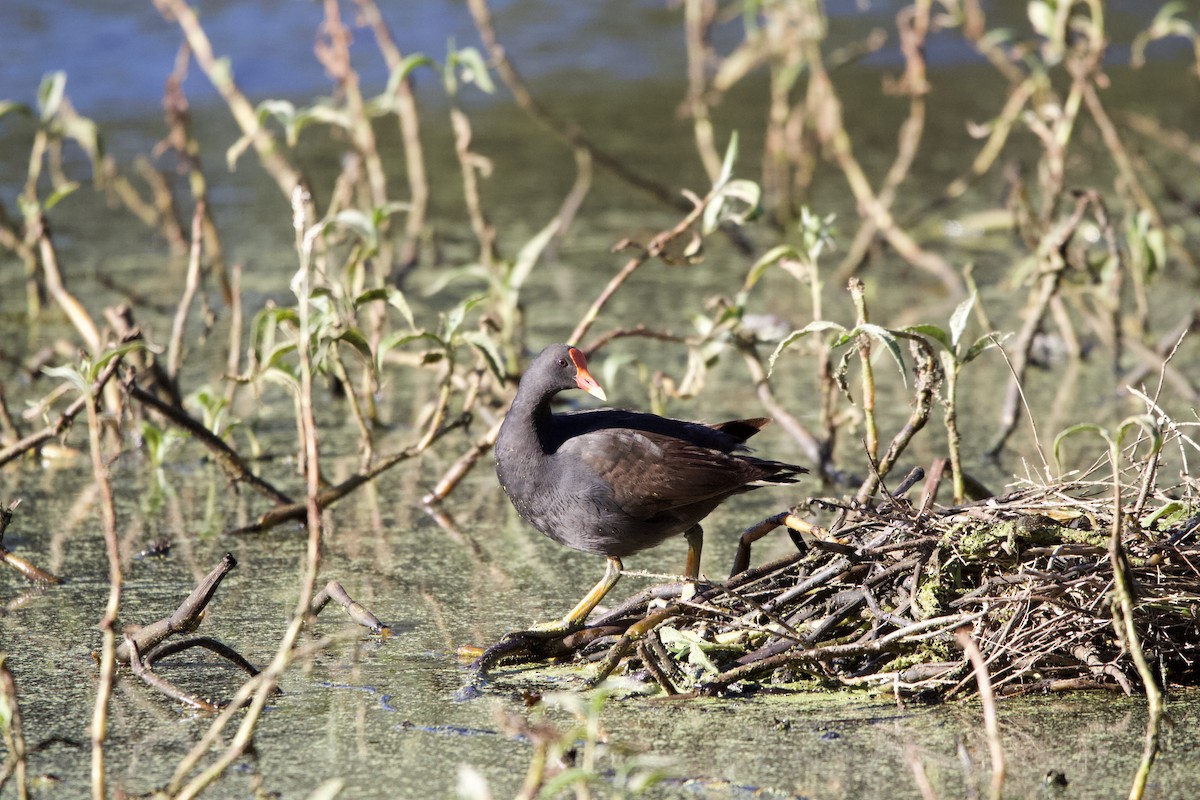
[(776, 473), (742, 429)]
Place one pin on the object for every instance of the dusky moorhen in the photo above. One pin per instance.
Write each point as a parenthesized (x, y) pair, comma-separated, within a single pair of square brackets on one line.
[(615, 482)]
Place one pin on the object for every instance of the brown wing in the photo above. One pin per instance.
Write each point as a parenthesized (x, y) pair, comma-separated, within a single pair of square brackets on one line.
[(650, 473)]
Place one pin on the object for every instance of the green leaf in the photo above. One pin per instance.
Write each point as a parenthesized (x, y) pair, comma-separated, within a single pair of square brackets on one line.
[(324, 112), (454, 317), (394, 340), (71, 375), (737, 201), (108, 355), (489, 350), (282, 110), (11, 106), (816, 232), (817, 326), (235, 151), (529, 254), (50, 94), (357, 222), (959, 319), (572, 776), (1083, 427), (1041, 18), (888, 339), (397, 301), (445, 277), (59, 194), (275, 360), (466, 65), (613, 364), (87, 135), (372, 296), (982, 344), (380, 214), (770, 258), (404, 69), (930, 331), (355, 339), (731, 154), (1148, 425)]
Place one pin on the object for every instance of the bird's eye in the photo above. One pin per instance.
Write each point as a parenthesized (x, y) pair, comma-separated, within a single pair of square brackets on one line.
[(562, 362)]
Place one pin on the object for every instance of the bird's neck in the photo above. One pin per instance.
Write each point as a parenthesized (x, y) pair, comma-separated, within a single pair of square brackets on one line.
[(529, 421)]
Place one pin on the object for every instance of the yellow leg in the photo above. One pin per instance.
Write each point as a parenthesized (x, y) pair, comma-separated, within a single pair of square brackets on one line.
[(695, 542), (575, 617)]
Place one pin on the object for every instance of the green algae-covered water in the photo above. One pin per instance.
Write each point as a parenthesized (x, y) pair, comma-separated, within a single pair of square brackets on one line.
[(385, 717)]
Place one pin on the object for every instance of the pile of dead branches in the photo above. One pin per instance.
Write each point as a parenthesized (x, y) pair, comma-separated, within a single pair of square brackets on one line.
[(1030, 575)]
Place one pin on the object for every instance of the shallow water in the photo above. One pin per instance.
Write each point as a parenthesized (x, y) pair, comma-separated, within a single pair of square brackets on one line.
[(383, 715)]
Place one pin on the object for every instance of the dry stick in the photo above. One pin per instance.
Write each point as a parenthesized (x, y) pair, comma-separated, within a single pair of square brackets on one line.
[(158, 214), (14, 738), (313, 551), (833, 133), (575, 196), (649, 658), (166, 687), (180, 138), (867, 403), (244, 693), (814, 450), (8, 426), (1123, 604), (639, 330), (11, 240), (99, 727), (208, 643), (471, 163), (366, 440), (226, 457), (928, 379), (31, 572), (918, 630), (410, 132), (233, 360), (1161, 352), (164, 214), (920, 777), (990, 723), (462, 466), (1001, 127), (1047, 287), (570, 134), (912, 23), (294, 511), (1112, 140), (80, 318), (698, 17), (175, 348), (654, 248), (357, 611), (187, 617), (333, 51), (270, 153)]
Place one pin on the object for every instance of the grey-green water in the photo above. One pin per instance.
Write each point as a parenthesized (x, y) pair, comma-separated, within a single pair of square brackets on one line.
[(383, 715)]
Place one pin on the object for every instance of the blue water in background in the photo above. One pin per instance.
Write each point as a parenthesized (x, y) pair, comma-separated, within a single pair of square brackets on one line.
[(117, 53)]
